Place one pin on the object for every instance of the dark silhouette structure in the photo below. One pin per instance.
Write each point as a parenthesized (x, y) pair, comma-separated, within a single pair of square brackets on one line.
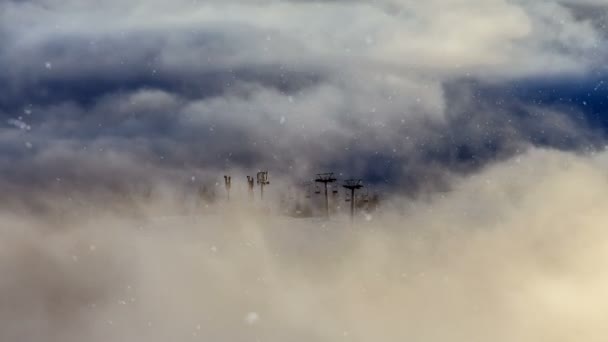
[(352, 185), (262, 181), (250, 185), (298, 201), (326, 178), (228, 185)]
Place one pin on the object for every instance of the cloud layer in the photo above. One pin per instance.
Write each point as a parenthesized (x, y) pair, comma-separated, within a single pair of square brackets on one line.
[(387, 90), (514, 253)]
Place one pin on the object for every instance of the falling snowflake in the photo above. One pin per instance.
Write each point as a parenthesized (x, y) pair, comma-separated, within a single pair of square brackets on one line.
[(252, 318), (19, 124)]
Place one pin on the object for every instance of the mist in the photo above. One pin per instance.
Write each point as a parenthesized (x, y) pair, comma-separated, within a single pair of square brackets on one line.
[(515, 252)]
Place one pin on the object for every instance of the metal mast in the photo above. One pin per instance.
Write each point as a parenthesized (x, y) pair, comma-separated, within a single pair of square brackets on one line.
[(262, 181), (352, 185), (250, 184), (326, 178), (228, 185)]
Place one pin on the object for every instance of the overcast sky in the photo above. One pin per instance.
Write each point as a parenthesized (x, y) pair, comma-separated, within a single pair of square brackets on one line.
[(400, 91)]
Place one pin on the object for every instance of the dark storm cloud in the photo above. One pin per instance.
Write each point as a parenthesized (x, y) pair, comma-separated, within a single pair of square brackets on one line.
[(147, 89), (594, 11), (83, 69)]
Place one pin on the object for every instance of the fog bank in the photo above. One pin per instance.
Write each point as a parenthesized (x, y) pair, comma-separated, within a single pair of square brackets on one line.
[(514, 253)]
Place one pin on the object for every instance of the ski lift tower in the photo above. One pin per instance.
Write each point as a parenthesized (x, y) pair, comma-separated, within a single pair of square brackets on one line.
[(262, 181), (352, 185), (250, 185), (228, 185), (326, 178)]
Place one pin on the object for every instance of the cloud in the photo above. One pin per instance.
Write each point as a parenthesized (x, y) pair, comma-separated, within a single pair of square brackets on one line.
[(511, 254), (364, 88), (482, 122)]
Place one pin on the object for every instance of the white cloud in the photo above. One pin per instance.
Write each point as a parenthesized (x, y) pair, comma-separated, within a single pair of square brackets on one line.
[(514, 253), (358, 76)]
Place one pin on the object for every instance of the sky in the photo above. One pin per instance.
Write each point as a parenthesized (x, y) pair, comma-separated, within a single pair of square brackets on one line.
[(396, 92)]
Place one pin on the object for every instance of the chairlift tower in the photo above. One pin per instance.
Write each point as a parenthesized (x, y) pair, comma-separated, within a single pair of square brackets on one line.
[(352, 185), (307, 189), (228, 185), (326, 178), (262, 177), (250, 185)]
